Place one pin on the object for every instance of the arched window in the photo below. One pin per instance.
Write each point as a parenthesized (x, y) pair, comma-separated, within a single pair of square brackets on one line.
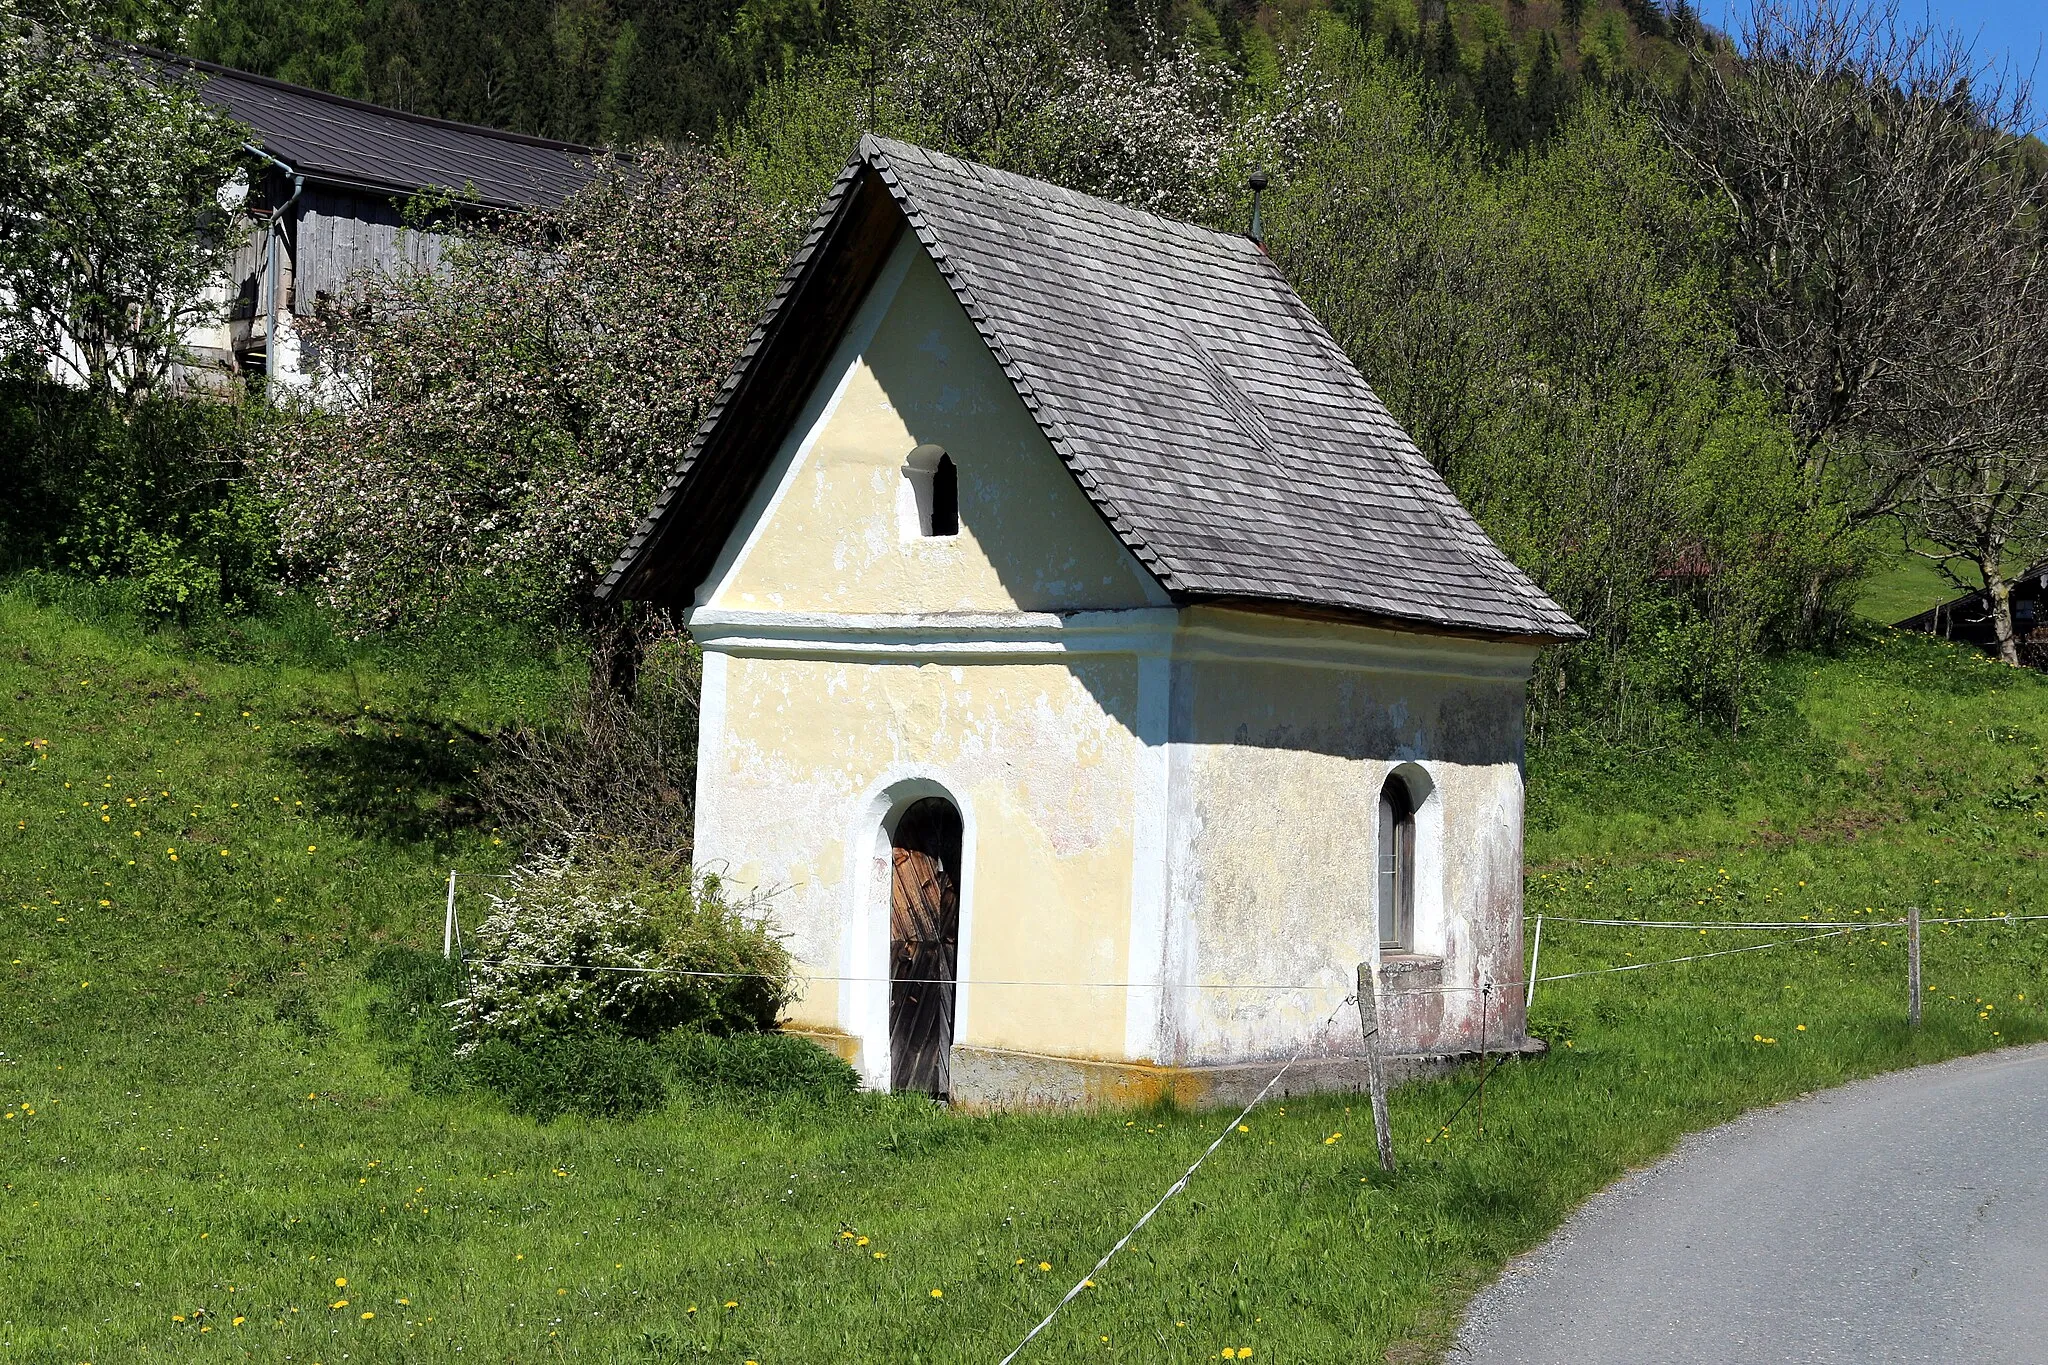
[(1397, 867), (924, 945), (946, 498), (934, 493)]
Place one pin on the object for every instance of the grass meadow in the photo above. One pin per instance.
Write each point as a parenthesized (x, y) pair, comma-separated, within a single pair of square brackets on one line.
[(208, 1155)]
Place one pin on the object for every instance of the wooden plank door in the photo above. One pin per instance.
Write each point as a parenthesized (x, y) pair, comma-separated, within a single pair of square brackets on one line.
[(924, 945)]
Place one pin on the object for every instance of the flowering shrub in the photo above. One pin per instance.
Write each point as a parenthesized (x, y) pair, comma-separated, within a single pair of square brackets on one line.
[(587, 941), (1035, 88), (499, 421)]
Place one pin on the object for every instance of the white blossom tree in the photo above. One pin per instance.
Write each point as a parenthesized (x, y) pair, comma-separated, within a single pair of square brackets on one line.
[(503, 417), (112, 229)]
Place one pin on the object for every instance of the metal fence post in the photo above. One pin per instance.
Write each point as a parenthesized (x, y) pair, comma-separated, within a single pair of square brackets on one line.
[(1375, 1070), (448, 924), (1535, 953)]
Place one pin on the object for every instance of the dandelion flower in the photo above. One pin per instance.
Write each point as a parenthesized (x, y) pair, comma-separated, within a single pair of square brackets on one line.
[(732, 1303), (368, 1316), (341, 1283), (1045, 1265), (938, 1293)]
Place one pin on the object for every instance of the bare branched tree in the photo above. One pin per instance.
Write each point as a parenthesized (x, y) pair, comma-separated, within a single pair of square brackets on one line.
[(1860, 160), (620, 762), (1981, 500)]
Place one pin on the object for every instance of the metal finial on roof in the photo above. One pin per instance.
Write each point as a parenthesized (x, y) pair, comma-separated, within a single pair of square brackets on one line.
[(1258, 184)]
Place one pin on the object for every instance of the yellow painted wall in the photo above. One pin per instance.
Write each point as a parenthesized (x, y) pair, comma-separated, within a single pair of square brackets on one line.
[(1039, 756), (834, 539)]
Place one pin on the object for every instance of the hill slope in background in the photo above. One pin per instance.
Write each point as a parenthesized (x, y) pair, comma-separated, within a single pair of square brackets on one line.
[(636, 69), (209, 1150)]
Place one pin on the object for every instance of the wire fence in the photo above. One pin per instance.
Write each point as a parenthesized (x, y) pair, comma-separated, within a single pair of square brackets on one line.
[(454, 945), (1808, 931)]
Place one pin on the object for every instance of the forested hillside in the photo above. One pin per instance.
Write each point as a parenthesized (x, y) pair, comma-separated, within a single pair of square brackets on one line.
[(619, 71), (1700, 330)]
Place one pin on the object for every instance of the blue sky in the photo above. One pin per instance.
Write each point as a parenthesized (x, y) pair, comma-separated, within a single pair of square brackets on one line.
[(2015, 29)]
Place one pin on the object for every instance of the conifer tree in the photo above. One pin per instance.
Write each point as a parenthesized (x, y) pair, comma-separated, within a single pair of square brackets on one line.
[(1500, 101), (1446, 59), (1647, 16), (1549, 95)]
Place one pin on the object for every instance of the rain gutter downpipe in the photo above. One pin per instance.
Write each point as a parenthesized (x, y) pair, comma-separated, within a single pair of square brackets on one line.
[(270, 272)]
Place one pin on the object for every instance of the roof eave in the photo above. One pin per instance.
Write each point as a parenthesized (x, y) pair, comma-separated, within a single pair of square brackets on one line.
[(1410, 625), (848, 216)]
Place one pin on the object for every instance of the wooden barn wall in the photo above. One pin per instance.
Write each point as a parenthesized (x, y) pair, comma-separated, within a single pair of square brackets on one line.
[(245, 287), (342, 234)]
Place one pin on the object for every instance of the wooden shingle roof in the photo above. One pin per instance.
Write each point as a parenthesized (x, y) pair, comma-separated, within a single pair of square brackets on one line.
[(1214, 423)]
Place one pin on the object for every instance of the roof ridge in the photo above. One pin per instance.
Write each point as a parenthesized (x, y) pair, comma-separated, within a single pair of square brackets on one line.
[(349, 102), (1038, 189)]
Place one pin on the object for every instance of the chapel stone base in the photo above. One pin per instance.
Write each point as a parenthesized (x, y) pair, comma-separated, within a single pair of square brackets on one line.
[(986, 1078), (991, 1078)]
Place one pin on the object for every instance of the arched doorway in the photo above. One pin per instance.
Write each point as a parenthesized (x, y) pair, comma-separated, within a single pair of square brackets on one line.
[(924, 945)]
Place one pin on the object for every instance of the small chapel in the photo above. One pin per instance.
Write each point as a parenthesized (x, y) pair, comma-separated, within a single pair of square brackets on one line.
[(1094, 672)]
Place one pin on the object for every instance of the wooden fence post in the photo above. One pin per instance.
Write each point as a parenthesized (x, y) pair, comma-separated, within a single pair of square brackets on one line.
[(1375, 1070), (1913, 964)]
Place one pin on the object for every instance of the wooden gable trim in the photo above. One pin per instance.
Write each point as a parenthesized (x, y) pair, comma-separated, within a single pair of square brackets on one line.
[(764, 399)]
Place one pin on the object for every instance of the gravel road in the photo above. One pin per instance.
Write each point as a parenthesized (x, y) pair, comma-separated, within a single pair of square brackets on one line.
[(1898, 1219)]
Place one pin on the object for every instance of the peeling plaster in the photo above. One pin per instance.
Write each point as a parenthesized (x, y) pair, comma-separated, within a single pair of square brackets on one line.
[(1157, 801)]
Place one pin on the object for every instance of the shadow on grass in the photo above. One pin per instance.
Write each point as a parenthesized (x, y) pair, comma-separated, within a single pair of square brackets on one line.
[(403, 781)]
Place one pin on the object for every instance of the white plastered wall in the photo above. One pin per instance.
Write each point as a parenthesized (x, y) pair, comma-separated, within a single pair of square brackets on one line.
[(1283, 735)]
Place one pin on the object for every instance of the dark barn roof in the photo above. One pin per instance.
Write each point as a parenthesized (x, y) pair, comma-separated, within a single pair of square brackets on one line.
[(1968, 617), (338, 141), (1214, 423)]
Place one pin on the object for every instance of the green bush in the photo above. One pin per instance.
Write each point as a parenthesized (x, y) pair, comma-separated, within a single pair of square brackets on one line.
[(154, 499), (600, 1075), (755, 1064)]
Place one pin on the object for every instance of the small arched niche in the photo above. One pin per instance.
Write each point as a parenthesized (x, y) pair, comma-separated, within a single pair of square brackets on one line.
[(932, 511)]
